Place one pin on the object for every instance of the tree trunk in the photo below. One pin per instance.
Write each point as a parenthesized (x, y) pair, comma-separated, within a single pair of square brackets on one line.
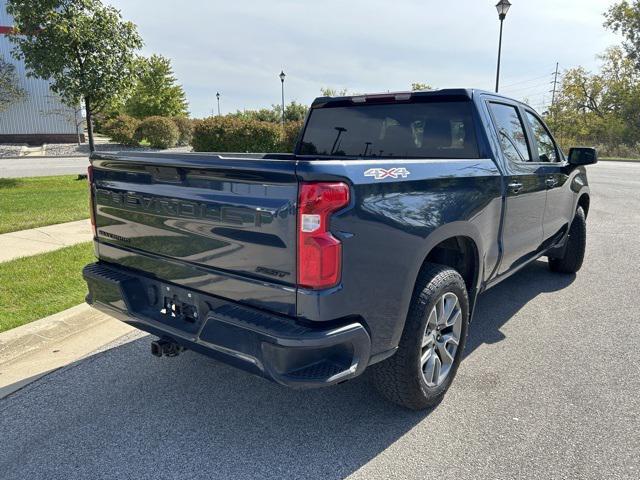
[(77, 112), (87, 106)]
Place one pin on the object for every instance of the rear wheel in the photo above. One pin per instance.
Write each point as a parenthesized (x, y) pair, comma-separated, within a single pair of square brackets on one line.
[(575, 247), (431, 346)]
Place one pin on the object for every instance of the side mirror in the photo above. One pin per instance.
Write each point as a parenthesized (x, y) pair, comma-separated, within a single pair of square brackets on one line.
[(582, 156)]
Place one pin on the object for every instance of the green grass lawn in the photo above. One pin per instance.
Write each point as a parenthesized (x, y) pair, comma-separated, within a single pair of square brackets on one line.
[(36, 202), (34, 287)]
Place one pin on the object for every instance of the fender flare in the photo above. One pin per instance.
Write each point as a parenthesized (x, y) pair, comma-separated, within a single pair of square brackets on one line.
[(437, 236)]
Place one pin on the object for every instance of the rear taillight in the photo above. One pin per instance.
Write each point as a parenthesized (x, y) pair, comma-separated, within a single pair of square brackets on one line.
[(92, 212), (319, 252)]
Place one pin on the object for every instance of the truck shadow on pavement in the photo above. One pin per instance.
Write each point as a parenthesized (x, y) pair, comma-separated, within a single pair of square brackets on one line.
[(498, 305), (123, 413)]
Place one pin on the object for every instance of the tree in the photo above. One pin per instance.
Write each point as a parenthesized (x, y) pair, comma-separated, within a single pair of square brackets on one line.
[(68, 114), (156, 92), (420, 86), (10, 90), (84, 48), (624, 18), (294, 112), (333, 92), (601, 108)]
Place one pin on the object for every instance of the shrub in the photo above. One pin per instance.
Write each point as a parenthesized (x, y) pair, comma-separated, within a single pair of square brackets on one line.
[(229, 134), (122, 129), (290, 136), (617, 151), (160, 132), (185, 129)]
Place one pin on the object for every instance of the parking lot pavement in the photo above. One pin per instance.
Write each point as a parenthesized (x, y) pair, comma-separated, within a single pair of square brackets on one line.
[(42, 167), (549, 388)]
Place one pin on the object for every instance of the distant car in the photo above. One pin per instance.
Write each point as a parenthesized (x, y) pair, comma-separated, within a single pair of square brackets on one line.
[(367, 247)]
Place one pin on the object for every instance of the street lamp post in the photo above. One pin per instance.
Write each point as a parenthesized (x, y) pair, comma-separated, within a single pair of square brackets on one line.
[(503, 7), (282, 75), (218, 98)]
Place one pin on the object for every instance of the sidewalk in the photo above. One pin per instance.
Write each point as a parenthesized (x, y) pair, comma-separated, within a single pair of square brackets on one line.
[(43, 239)]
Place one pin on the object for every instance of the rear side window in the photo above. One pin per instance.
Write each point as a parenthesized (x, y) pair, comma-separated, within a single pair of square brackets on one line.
[(408, 130), (511, 132)]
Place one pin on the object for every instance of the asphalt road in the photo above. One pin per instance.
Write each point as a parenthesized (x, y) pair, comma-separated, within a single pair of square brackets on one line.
[(549, 388), (42, 166)]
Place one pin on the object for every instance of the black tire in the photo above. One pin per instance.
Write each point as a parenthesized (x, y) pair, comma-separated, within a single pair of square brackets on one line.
[(400, 378), (576, 245)]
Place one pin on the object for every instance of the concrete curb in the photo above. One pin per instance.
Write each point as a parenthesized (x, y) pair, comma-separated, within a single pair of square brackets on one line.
[(31, 351), (32, 336)]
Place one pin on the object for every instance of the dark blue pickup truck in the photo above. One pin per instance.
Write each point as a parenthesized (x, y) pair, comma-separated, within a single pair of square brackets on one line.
[(367, 247)]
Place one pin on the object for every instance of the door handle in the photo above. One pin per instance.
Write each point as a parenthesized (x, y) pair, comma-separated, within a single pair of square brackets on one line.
[(515, 187), (551, 182)]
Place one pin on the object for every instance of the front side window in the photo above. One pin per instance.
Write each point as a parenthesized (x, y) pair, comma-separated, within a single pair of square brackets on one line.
[(511, 132), (547, 151), (440, 130)]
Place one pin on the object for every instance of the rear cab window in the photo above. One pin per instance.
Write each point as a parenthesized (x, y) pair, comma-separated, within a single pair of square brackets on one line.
[(511, 132), (434, 129)]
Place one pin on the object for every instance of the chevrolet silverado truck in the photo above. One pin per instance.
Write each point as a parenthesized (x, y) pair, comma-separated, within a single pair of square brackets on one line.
[(366, 248)]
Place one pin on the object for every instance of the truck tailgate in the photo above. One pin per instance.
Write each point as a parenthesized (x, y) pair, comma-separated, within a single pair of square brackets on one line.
[(226, 226)]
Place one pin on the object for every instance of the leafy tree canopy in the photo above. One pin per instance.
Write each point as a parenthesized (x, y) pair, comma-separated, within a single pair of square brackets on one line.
[(599, 107), (334, 92), (624, 18), (156, 91), (420, 86), (82, 46), (293, 112), (10, 90)]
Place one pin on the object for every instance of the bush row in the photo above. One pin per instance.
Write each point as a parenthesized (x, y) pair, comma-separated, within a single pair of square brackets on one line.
[(213, 134), (160, 132), (232, 134)]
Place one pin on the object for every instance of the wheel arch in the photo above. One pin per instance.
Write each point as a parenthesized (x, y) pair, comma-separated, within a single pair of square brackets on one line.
[(584, 201), (458, 245)]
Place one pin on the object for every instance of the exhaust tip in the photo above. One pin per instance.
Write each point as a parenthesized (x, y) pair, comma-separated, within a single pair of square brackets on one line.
[(156, 348), (165, 348)]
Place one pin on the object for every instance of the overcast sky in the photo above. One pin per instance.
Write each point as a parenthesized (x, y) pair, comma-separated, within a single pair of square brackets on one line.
[(238, 47)]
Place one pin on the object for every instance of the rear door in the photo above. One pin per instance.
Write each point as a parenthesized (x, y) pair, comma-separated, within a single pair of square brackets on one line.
[(525, 187)]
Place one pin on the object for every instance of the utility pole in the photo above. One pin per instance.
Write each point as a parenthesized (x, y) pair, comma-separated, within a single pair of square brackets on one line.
[(555, 85)]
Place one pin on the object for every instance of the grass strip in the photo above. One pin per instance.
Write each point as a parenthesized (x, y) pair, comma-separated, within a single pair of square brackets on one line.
[(36, 202), (35, 287)]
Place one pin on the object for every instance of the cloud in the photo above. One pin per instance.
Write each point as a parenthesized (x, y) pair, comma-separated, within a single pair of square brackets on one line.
[(239, 47)]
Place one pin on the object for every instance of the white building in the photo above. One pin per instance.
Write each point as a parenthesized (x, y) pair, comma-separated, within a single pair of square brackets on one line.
[(41, 117)]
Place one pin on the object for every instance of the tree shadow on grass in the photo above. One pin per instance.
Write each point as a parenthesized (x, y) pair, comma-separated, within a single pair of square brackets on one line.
[(9, 182)]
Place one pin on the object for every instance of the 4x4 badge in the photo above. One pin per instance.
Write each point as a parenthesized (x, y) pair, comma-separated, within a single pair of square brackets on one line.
[(380, 173)]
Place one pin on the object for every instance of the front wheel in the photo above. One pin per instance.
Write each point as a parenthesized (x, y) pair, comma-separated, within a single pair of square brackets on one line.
[(575, 247), (431, 346)]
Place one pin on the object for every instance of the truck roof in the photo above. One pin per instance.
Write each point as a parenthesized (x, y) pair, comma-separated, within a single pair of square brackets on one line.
[(444, 93)]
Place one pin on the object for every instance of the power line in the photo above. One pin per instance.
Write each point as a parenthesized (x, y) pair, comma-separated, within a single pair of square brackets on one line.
[(525, 81), (529, 87)]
